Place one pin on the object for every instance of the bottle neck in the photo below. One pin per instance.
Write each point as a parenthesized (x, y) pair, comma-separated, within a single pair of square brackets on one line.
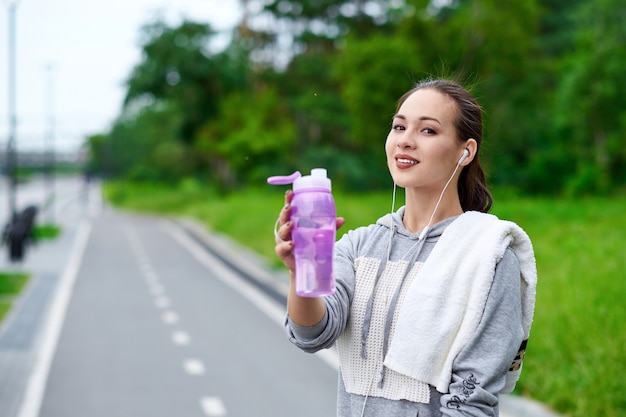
[(312, 190)]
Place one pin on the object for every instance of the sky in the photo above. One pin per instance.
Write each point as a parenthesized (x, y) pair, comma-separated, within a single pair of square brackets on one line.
[(73, 57)]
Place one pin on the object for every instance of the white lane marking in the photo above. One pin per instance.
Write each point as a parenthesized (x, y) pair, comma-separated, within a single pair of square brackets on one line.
[(193, 367), (151, 277), (162, 302), (156, 289), (170, 317), (144, 263), (213, 406), (181, 338), (228, 277), (273, 310), (31, 403)]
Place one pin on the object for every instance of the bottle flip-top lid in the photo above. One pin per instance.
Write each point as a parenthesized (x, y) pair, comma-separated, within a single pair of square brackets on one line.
[(318, 180)]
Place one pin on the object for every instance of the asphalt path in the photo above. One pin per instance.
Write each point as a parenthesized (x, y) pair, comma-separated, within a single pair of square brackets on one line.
[(145, 322), (133, 315)]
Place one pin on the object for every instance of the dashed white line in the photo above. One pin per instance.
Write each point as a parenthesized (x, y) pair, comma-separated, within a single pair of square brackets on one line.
[(181, 338), (193, 367), (213, 406), (170, 317), (156, 289), (146, 267), (150, 277), (162, 302)]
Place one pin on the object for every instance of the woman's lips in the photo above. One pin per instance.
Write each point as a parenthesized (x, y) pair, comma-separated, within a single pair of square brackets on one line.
[(403, 161)]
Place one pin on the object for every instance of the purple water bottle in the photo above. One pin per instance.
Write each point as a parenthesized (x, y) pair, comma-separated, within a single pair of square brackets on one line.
[(314, 228)]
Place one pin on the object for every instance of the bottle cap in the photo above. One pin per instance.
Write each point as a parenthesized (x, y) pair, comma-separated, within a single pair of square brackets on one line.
[(317, 180)]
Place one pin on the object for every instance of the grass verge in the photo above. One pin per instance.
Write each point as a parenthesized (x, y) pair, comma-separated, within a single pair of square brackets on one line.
[(11, 284), (46, 231)]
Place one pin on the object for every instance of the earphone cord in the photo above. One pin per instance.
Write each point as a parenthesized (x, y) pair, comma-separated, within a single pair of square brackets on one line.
[(430, 221), (445, 187), (393, 206), (382, 266)]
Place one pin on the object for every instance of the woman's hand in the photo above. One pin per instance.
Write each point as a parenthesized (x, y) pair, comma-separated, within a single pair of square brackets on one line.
[(284, 244)]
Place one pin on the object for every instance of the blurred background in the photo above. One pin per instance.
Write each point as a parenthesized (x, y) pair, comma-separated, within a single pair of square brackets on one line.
[(186, 107), (230, 92)]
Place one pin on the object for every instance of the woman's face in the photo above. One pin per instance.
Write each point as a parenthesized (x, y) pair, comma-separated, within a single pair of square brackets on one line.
[(422, 147)]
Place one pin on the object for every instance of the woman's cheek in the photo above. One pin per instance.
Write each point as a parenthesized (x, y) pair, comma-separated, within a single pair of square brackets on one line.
[(388, 147)]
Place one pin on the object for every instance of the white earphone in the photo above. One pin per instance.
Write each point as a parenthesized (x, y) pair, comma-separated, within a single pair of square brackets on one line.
[(465, 155)]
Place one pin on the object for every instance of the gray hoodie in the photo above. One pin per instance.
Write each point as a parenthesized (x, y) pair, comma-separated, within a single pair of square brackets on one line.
[(364, 295)]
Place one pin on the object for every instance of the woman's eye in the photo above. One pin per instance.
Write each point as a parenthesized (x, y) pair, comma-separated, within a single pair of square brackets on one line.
[(428, 131), (398, 127)]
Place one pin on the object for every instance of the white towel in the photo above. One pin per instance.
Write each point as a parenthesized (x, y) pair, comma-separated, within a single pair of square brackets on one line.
[(443, 292)]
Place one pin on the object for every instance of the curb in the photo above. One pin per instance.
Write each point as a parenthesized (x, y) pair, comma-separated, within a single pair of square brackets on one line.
[(516, 406)]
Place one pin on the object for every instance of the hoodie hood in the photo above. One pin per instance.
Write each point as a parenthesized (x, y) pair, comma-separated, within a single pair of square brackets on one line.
[(395, 219)]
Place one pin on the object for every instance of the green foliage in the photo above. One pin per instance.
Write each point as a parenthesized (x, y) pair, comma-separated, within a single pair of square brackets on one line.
[(11, 284), (176, 70), (314, 83), (172, 94), (260, 136), (591, 103), (370, 97), (578, 331), (46, 231), (145, 147), (312, 21)]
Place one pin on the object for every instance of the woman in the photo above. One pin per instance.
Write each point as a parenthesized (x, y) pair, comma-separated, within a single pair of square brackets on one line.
[(433, 302)]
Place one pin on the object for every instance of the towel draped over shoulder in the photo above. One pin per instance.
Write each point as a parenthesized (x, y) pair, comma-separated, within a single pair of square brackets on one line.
[(451, 290)]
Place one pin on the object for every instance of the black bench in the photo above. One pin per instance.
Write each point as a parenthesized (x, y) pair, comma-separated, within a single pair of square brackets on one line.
[(19, 232)]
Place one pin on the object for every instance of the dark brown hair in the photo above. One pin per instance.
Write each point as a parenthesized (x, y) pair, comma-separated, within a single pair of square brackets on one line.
[(472, 186)]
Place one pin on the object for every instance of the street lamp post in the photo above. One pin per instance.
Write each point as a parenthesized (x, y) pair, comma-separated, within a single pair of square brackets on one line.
[(11, 153), (49, 159)]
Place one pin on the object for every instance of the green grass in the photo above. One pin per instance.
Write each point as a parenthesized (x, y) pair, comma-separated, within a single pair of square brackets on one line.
[(576, 355), (11, 284), (46, 231), (577, 347)]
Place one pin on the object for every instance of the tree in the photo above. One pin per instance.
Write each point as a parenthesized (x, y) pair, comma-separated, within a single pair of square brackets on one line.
[(592, 98), (175, 90), (371, 82), (248, 140), (301, 26), (145, 147), (178, 69)]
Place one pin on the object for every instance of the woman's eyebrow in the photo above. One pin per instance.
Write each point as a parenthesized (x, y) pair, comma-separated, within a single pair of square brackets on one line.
[(434, 119)]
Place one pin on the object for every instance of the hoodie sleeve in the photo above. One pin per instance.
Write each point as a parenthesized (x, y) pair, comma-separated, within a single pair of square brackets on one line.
[(324, 334), (479, 371)]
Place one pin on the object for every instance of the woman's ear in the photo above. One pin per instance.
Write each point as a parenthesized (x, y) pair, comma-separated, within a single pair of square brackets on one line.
[(471, 146)]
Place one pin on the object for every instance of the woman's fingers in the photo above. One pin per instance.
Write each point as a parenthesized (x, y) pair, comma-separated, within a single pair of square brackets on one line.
[(284, 245), (284, 251), (284, 232), (285, 213), (284, 225)]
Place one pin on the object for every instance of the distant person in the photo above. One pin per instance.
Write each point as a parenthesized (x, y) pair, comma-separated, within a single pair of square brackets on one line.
[(434, 302)]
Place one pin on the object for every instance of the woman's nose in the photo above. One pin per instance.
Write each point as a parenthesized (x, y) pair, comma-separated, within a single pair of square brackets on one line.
[(405, 142)]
